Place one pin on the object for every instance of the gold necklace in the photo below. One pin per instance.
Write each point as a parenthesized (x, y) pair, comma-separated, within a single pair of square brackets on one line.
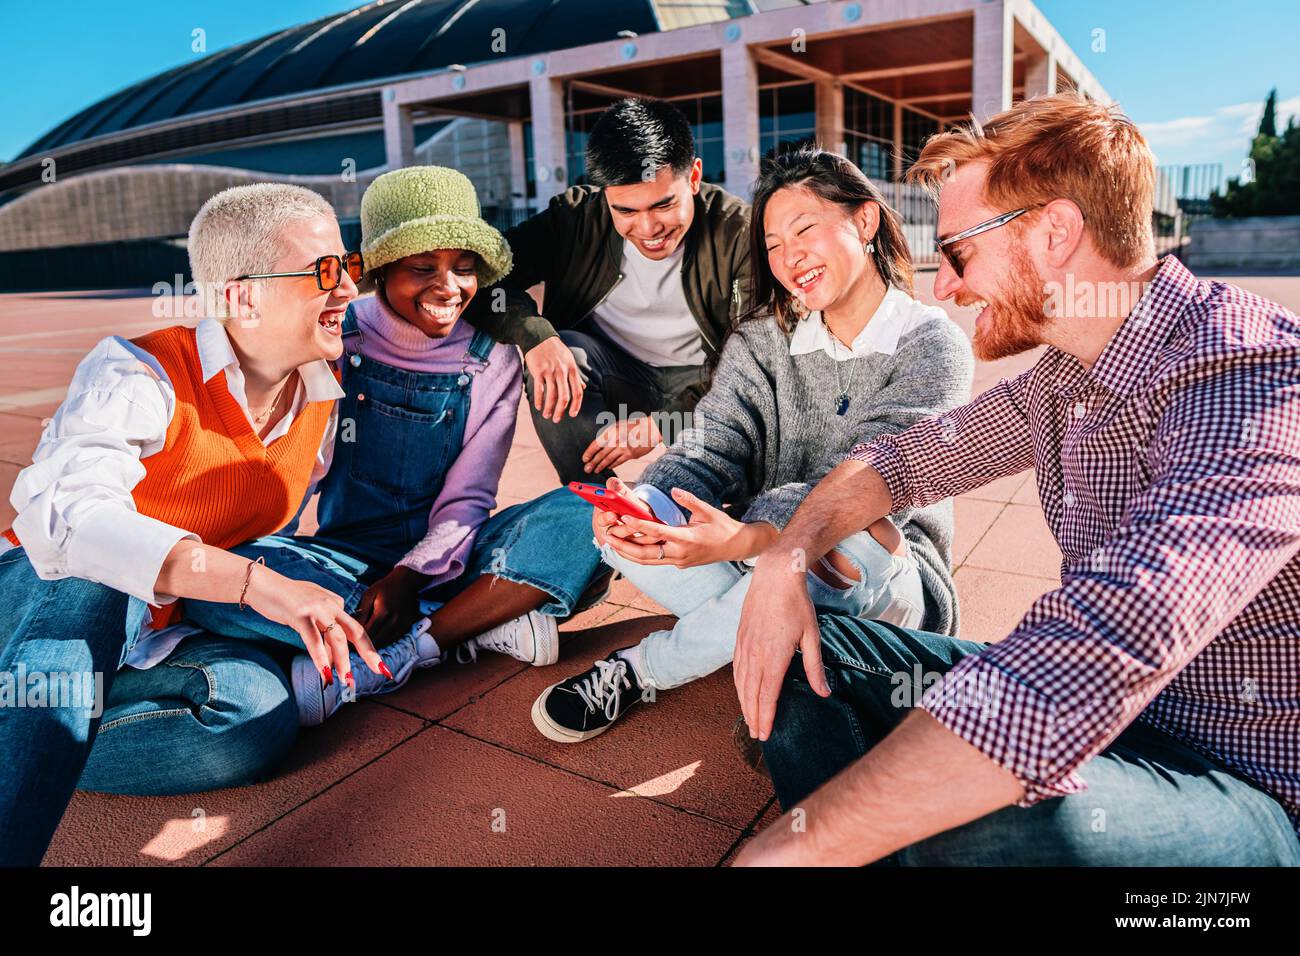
[(261, 419)]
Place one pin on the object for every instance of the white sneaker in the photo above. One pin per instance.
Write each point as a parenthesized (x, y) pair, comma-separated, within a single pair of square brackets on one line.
[(533, 638), (316, 702)]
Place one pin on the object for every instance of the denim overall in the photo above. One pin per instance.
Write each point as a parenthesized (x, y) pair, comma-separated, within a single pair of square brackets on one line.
[(398, 434)]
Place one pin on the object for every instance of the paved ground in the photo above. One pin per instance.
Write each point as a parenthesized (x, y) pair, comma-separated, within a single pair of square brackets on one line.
[(450, 770)]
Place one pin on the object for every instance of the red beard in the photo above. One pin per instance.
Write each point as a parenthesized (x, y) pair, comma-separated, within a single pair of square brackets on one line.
[(1015, 319)]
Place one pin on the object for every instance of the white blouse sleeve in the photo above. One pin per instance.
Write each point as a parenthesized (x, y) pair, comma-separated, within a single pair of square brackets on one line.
[(76, 516)]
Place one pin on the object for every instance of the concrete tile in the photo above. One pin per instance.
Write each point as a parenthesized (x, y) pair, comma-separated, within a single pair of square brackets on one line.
[(994, 602), (1001, 490), (103, 829), (1027, 494), (1019, 541), (973, 519), (443, 799), (678, 748), (528, 475)]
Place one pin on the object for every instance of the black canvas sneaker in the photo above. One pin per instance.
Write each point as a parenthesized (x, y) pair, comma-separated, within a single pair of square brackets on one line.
[(585, 705)]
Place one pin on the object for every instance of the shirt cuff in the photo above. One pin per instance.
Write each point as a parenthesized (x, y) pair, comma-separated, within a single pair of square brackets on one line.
[(1010, 723), (439, 562), (886, 457), (96, 546)]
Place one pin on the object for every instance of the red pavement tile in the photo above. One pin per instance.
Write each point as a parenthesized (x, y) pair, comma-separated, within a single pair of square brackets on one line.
[(18, 438), (993, 602), (439, 691), (40, 412), (1020, 542), (443, 799), (769, 817), (102, 829), (677, 749), (22, 370), (625, 592), (8, 474)]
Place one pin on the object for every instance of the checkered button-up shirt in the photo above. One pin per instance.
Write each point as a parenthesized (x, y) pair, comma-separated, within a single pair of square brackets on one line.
[(1170, 476)]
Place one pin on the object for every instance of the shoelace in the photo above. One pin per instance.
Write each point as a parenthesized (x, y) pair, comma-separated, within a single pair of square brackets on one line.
[(605, 687), (500, 639)]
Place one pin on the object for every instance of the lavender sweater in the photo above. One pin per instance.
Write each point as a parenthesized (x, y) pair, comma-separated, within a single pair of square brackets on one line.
[(470, 491)]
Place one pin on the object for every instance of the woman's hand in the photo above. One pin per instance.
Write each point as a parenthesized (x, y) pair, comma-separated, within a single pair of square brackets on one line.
[(711, 535), (318, 617), (606, 524), (391, 605)]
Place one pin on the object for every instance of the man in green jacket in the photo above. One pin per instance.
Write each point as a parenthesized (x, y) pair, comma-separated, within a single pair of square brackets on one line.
[(644, 273)]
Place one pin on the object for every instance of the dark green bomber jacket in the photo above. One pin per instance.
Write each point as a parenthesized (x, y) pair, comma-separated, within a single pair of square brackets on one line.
[(573, 247)]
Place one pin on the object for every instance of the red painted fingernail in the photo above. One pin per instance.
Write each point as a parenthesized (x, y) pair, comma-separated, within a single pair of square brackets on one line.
[(328, 675), (383, 669), (348, 677)]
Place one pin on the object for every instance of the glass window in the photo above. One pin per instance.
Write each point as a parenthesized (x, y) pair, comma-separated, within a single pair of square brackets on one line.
[(916, 130), (787, 115)]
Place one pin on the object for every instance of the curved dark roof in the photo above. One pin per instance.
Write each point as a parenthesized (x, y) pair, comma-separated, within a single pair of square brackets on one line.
[(370, 43)]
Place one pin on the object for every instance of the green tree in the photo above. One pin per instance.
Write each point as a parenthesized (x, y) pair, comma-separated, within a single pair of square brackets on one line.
[(1274, 187), (1268, 124)]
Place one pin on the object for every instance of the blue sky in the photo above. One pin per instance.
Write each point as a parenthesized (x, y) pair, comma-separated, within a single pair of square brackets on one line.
[(1193, 73)]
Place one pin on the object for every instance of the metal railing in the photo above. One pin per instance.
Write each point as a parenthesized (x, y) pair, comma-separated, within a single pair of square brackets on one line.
[(1182, 198)]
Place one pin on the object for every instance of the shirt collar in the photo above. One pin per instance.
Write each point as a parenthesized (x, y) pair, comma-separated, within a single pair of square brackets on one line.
[(1132, 350), (880, 334), (216, 354)]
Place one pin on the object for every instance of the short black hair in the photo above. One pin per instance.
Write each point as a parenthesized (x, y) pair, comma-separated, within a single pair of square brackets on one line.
[(637, 136)]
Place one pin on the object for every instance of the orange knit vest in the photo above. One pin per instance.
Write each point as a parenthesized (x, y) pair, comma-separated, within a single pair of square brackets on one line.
[(213, 476)]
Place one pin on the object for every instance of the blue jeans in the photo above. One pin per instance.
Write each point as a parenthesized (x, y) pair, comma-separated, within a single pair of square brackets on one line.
[(545, 543), (708, 600), (615, 384), (1151, 801), (51, 631), (214, 713)]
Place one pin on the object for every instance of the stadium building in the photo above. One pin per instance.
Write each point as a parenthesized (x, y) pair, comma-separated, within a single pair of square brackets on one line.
[(505, 90)]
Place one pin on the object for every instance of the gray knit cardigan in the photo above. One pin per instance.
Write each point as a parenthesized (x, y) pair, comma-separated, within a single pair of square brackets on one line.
[(767, 431)]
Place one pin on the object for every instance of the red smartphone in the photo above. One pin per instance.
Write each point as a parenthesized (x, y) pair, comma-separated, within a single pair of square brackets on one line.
[(607, 500)]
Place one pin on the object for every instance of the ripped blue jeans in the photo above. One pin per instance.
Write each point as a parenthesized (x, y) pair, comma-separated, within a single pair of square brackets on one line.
[(708, 599)]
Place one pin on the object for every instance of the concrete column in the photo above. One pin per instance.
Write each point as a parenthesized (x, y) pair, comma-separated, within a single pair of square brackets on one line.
[(550, 162), (897, 169), (1040, 75), (399, 133), (740, 117), (518, 170), (830, 116), (992, 54)]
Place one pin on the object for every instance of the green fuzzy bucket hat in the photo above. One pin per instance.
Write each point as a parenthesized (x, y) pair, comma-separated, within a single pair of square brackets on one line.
[(423, 208)]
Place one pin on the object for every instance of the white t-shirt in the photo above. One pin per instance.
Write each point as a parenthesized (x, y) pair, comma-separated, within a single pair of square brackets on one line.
[(646, 312)]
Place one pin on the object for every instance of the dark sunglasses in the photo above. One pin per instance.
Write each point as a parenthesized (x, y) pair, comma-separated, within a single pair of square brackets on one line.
[(944, 246), (328, 271)]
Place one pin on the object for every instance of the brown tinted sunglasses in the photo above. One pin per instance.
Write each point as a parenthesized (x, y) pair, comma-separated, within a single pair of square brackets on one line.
[(328, 271)]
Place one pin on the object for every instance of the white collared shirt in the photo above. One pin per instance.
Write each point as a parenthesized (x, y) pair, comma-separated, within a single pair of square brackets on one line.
[(76, 516), (897, 315)]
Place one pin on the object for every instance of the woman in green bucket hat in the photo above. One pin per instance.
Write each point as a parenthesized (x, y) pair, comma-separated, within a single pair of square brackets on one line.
[(406, 536)]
